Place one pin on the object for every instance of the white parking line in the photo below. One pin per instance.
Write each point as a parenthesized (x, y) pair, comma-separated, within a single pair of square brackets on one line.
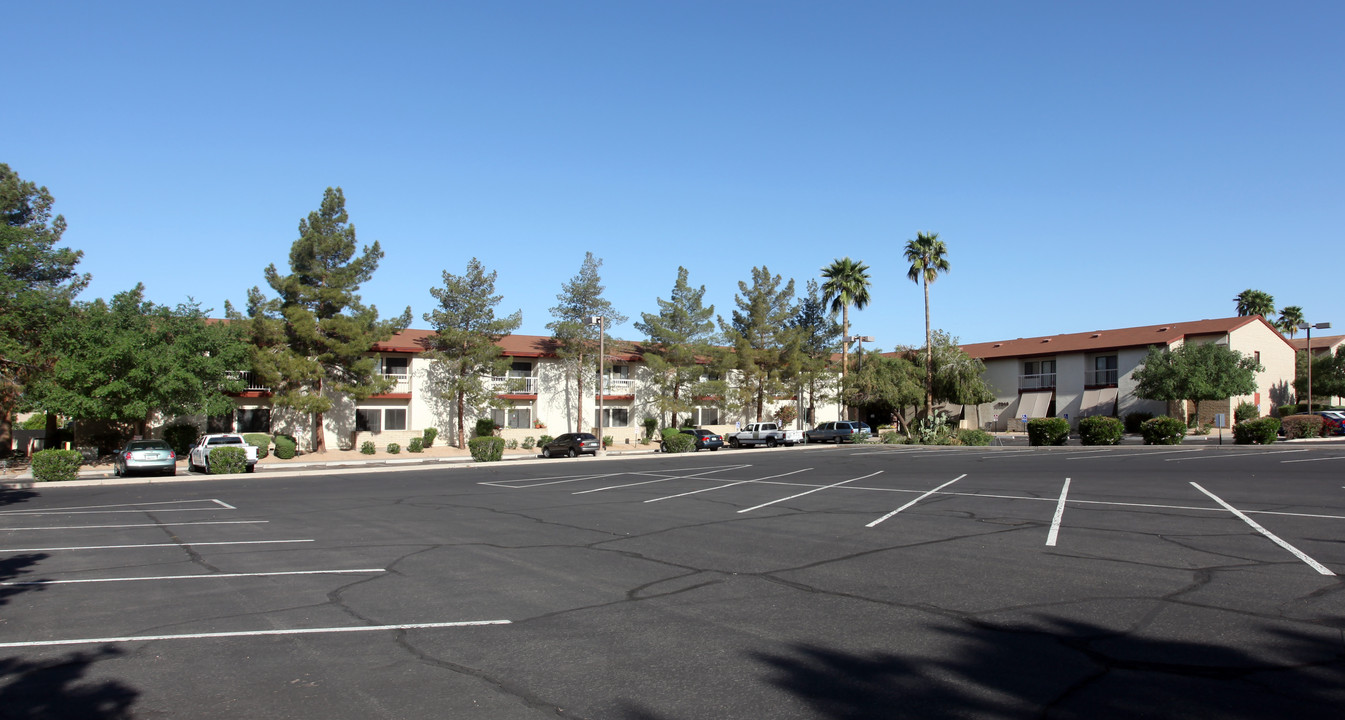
[(136, 525), (208, 576), (660, 479), (1147, 453), (95, 509), (151, 545), (729, 485), (1219, 455), (810, 492), (254, 633), (1274, 538), (556, 480), (922, 497), (1059, 515), (1334, 457)]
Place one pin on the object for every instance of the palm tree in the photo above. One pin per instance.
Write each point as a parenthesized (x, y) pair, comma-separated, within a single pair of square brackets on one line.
[(1290, 318), (847, 283), (926, 255), (1255, 302)]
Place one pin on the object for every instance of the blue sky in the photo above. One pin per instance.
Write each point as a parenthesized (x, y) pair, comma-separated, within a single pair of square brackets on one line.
[(1089, 165)]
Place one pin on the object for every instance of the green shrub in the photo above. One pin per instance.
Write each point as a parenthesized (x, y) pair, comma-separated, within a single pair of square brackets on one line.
[(1101, 430), (933, 430), (227, 461), (1287, 410), (416, 445), (261, 441), (285, 447), (544, 440), (38, 421), (860, 437), (529, 443), (181, 437), (675, 441), (428, 436), (485, 427), (511, 444), (1163, 430), (1245, 411), (1261, 431), (1047, 431), (892, 437), (974, 436), (368, 448), (650, 426), (486, 449), (56, 465), (1134, 420), (1302, 426), (394, 449), (607, 441)]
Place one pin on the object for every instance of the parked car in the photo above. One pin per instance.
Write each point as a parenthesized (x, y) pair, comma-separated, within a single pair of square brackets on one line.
[(571, 445), (1332, 419), (143, 456), (705, 439), (199, 455), (837, 432), (764, 433)]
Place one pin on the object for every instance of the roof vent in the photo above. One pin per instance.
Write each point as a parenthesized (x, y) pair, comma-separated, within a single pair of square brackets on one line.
[(1097, 335), (1163, 329), (1047, 340), (998, 344)]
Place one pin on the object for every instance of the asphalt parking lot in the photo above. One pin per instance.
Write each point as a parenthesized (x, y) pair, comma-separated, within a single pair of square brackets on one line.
[(830, 582)]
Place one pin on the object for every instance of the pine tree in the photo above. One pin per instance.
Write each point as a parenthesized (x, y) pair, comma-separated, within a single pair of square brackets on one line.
[(679, 341), (314, 338), (817, 335), (576, 340), (464, 346), (761, 338)]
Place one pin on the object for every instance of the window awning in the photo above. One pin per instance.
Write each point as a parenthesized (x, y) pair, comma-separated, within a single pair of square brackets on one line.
[(1101, 401), (1034, 404)]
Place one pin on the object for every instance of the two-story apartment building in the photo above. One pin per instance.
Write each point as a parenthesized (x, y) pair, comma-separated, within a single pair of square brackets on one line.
[(538, 393), (1321, 345), (1080, 374)]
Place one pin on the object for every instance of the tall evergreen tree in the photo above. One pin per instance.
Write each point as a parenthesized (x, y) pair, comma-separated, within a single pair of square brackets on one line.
[(679, 339), (314, 338), (580, 298), (816, 337), (926, 255), (130, 360), (465, 345), (761, 337), (38, 282)]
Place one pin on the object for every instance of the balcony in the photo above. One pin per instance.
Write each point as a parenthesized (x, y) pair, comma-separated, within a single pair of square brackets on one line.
[(250, 382), (1043, 381), (401, 383), (1097, 378), (618, 386), (514, 385)]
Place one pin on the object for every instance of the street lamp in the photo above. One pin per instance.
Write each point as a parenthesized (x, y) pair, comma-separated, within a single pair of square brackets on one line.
[(601, 322), (1309, 328), (861, 339)]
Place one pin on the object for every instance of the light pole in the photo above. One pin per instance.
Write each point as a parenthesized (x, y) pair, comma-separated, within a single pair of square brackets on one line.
[(601, 322), (1309, 328), (861, 339)]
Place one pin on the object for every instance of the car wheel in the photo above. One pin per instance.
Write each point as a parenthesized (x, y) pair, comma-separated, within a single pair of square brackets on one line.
[(734, 443), (572, 453), (251, 468), (116, 470), (171, 472), (770, 442), (546, 452), (714, 449)]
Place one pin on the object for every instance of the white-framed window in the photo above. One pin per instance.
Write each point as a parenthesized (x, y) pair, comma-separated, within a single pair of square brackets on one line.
[(613, 417), (512, 417), (394, 419), (376, 420), (706, 416), (396, 366)]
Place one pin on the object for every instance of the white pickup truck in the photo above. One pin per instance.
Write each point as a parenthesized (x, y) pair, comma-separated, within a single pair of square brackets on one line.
[(764, 433), (198, 458)]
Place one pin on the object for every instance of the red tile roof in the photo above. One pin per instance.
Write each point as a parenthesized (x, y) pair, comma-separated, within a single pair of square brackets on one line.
[(1319, 342), (1102, 340), (522, 346)]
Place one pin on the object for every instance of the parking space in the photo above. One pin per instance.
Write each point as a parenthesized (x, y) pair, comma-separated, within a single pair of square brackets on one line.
[(607, 588)]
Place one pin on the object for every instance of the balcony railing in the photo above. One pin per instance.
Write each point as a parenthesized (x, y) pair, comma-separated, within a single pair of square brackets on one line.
[(1043, 381), (400, 383), (250, 382), (519, 385), (1100, 377), (618, 386)]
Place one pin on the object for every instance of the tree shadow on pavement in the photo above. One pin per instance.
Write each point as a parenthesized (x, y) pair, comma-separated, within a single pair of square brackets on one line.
[(56, 688), (13, 567), (9, 497), (1067, 669)]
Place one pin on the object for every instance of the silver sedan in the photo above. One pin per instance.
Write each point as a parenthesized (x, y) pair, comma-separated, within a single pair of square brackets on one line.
[(145, 456)]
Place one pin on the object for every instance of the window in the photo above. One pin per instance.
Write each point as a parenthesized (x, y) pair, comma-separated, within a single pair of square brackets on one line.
[(253, 421), (514, 417), (368, 420), (394, 419), (706, 416), (1104, 370), (614, 417), (396, 366), (520, 369)]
